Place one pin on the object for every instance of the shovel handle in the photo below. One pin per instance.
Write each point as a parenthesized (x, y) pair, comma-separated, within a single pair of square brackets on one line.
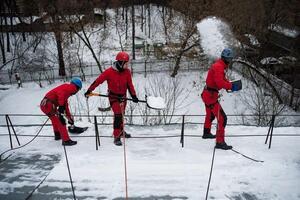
[(103, 95)]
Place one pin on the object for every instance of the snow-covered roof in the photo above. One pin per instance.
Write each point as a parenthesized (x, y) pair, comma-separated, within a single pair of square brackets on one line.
[(270, 61), (98, 11), (285, 31), (253, 40)]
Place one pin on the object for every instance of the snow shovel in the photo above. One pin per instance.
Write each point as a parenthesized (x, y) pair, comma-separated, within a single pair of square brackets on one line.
[(76, 130), (157, 103)]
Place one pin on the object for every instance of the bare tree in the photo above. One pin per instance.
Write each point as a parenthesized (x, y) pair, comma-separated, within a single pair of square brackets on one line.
[(182, 29), (121, 29), (174, 94), (262, 104), (85, 30), (133, 30)]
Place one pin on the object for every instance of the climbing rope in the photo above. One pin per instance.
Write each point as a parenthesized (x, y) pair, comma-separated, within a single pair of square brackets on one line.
[(247, 156), (26, 143), (210, 174)]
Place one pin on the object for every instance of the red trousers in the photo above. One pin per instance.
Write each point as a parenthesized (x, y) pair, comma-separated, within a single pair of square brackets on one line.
[(51, 111), (212, 111), (119, 111)]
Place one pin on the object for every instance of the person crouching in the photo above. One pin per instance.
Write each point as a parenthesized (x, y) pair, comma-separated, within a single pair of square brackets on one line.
[(55, 106)]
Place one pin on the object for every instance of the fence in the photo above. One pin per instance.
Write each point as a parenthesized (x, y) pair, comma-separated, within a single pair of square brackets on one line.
[(30, 120), (182, 135), (90, 69)]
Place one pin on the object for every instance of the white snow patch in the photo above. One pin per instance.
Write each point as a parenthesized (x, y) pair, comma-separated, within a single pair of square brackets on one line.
[(283, 30)]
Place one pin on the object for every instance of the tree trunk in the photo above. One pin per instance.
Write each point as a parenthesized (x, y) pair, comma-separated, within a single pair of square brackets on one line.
[(2, 47), (142, 18), (7, 37), (2, 39), (62, 70), (126, 23), (149, 21), (133, 31), (177, 65), (23, 33), (178, 58)]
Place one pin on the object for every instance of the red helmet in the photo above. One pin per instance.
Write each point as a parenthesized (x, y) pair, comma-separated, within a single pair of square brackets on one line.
[(122, 56)]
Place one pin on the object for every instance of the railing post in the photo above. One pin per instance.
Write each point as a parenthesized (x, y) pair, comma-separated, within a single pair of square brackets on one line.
[(12, 127), (182, 132), (10, 140), (273, 122), (96, 133), (145, 66), (270, 131), (9, 124)]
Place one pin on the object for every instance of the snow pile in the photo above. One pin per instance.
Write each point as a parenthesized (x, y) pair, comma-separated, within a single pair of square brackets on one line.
[(285, 31), (215, 36)]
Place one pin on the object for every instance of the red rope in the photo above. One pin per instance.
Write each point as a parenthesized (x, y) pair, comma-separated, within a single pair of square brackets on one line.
[(125, 166), (124, 150)]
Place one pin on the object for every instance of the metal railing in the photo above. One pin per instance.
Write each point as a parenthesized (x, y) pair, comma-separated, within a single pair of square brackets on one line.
[(50, 73), (182, 135), (35, 120)]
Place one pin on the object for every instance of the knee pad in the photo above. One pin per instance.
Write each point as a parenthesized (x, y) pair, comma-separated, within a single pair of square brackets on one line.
[(117, 121), (212, 117)]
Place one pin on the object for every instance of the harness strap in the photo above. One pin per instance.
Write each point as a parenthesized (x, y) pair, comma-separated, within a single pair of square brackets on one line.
[(114, 97), (211, 105), (210, 89), (44, 102)]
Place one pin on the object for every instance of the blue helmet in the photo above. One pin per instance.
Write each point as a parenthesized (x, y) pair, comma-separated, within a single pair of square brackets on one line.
[(227, 53), (77, 81)]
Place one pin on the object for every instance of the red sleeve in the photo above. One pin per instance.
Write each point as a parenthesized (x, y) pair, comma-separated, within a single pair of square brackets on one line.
[(99, 80), (130, 84), (220, 79), (68, 113)]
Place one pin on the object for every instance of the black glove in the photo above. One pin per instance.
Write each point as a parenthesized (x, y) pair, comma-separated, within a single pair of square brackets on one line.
[(62, 119), (86, 94), (135, 99), (71, 121), (61, 109)]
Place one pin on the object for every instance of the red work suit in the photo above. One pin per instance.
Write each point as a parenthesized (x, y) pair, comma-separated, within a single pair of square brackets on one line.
[(215, 81), (58, 97), (117, 83)]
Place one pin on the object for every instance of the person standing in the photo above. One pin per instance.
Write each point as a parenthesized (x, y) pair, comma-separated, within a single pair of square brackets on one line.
[(18, 79), (119, 80), (55, 106), (216, 81)]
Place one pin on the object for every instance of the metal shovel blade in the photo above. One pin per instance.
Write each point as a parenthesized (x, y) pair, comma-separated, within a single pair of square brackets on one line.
[(157, 103)]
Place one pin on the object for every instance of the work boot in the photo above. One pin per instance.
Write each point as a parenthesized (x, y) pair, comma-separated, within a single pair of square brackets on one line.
[(57, 136), (69, 143), (127, 135), (223, 145), (207, 134), (117, 141)]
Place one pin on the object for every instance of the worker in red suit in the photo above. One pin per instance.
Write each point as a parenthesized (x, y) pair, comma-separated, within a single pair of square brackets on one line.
[(216, 81), (55, 106), (118, 79)]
